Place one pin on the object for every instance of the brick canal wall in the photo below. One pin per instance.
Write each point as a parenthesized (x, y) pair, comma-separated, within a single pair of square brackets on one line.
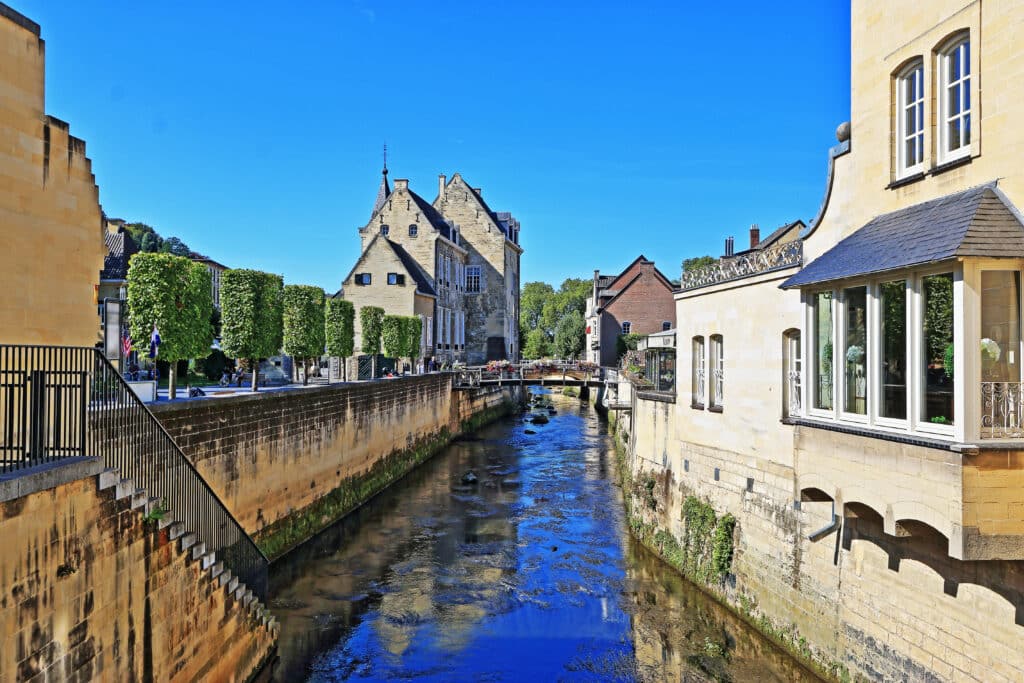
[(94, 591), (289, 463), (859, 602)]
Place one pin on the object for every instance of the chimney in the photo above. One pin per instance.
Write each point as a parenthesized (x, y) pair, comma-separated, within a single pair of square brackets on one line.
[(479, 191), (729, 246), (755, 236), (440, 185), (401, 184)]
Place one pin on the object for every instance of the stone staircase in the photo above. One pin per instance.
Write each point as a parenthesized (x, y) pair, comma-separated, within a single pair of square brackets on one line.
[(189, 542)]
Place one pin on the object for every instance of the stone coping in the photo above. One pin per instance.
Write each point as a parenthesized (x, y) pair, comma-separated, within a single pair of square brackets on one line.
[(47, 476)]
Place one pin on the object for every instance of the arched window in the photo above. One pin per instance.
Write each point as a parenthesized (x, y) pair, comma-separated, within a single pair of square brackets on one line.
[(792, 366), (717, 372), (698, 381), (954, 98), (910, 119)]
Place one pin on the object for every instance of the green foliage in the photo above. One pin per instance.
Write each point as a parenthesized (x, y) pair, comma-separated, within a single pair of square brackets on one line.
[(947, 360), (537, 344), (371, 319), (721, 552), (339, 327), (173, 245), (391, 336), (252, 313), (303, 320), (571, 296), (150, 241), (698, 262), (626, 342), (531, 303), (570, 335), (157, 512), (412, 329), (938, 315), (174, 293)]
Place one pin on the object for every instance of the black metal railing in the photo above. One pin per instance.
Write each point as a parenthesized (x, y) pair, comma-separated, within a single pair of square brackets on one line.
[(63, 402)]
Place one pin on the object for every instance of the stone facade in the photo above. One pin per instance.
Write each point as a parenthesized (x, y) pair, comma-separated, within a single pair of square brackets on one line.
[(53, 228), (881, 549), (640, 295), (94, 591), (492, 244), (287, 464)]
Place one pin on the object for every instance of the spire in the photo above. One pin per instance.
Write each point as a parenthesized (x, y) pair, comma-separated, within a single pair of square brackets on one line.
[(384, 191)]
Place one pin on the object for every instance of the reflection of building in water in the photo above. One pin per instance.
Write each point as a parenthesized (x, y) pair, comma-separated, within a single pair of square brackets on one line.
[(680, 634), (452, 578)]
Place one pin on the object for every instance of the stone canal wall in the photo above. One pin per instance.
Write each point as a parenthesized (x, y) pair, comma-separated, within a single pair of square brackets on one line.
[(95, 591), (859, 603), (289, 463)]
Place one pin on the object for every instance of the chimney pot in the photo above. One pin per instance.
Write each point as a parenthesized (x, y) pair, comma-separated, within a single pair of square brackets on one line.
[(755, 235), (441, 181)]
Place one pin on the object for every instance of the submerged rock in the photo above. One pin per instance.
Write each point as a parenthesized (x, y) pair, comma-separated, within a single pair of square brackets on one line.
[(539, 419), (529, 431), (470, 477)]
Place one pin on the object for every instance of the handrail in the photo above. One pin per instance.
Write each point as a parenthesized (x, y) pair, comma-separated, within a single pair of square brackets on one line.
[(59, 402)]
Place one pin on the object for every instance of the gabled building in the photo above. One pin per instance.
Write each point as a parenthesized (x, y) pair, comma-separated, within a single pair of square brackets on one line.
[(215, 270), (469, 270), (636, 301), (120, 248), (492, 273)]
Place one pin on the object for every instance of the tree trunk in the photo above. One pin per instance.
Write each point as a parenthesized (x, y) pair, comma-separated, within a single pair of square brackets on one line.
[(172, 381), (373, 366), (254, 365), (305, 371), (344, 369)]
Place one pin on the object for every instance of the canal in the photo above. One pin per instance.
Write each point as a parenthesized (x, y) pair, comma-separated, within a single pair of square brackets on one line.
[(527, 574)]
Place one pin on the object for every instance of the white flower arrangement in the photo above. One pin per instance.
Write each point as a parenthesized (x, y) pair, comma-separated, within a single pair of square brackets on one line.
[(990, 350), (854, 354)]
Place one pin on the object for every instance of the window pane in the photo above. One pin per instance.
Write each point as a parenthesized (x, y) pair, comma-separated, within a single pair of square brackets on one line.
[(966, 63), (823, 350), (954, 65), (954, 135), (856, 350), (910, 122), (894, 350), (937, 406), (1000, 326), (967, 129), (954, 100)]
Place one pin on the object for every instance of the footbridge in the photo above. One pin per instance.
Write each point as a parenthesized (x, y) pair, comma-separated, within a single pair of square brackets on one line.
[(537, 373)]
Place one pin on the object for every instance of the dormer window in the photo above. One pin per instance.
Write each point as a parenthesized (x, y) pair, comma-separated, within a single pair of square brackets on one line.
[(910, 120), (954, 100)]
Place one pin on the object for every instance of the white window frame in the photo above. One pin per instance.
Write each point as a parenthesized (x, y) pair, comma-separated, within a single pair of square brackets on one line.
[(875, 345), (626, 327), (912, 75), (698, 378), (716, 388), (811, 378), (792, 377), (839, 352), (959, 47)]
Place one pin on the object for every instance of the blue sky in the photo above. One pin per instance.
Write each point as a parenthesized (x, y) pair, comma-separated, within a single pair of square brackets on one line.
[(253, 131)]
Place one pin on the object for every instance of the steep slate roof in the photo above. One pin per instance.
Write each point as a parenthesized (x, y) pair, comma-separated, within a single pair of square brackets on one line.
[(980, 221), (432, 215), (120, 248), (417, 274), (383, 192)]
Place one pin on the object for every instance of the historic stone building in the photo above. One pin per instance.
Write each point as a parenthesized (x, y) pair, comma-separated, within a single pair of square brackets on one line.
[(636, 301), (854, 393), (453, 263), (492, 269)]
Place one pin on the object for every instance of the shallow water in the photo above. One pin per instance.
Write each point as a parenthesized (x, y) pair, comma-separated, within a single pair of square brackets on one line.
[(529, 574)]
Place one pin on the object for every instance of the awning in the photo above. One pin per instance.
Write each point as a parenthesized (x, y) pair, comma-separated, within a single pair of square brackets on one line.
[(980, 221)]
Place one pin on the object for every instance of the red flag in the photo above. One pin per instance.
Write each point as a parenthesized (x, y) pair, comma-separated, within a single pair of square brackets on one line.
[(126, 343)]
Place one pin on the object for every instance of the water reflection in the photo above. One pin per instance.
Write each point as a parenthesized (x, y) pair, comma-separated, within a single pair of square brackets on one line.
[(529, 573)]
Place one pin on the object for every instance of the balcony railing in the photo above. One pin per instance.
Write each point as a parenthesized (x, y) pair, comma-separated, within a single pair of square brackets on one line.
[(756, 262), (66, 402), (1002, 414)]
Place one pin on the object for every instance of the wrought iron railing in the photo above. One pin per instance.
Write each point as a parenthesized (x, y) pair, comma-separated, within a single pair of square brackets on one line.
[(1002, 413), (755, 262), (64, 402)]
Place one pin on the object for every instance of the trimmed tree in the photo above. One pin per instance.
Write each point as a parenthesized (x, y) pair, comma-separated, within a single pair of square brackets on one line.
[(173, 293), (251, 316), (303, 321), (340, 331), (392, 336), (413, 330), (370, 319)]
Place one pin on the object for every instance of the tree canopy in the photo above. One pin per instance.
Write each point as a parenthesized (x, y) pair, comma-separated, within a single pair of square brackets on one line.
[(531, 303), (412, 332), (370, 319), (536, 344), (698, 262), (570, 335), (252, 315), (339, 324), (392, 337), (303, 321), (571, 296), (175, 294)]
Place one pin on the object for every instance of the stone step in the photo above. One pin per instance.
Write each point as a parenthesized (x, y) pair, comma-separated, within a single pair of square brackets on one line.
[(240, 591), (177, 530), (198, 550), (224, 577), (217, 569), (139, 499), (233, 584), (166, 521), (207, 560), (109, 478), (124, 488), (187, 541)]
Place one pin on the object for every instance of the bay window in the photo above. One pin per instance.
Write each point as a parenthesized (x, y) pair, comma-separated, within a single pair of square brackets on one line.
[(893, 350), (855, 350), (937, 350), (822, 350)]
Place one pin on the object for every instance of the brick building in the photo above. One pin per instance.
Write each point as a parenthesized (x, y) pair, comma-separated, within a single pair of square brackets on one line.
[(636, 301)]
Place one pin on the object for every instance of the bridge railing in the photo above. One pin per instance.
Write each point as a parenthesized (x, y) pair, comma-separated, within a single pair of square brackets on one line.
[(67, 402)]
